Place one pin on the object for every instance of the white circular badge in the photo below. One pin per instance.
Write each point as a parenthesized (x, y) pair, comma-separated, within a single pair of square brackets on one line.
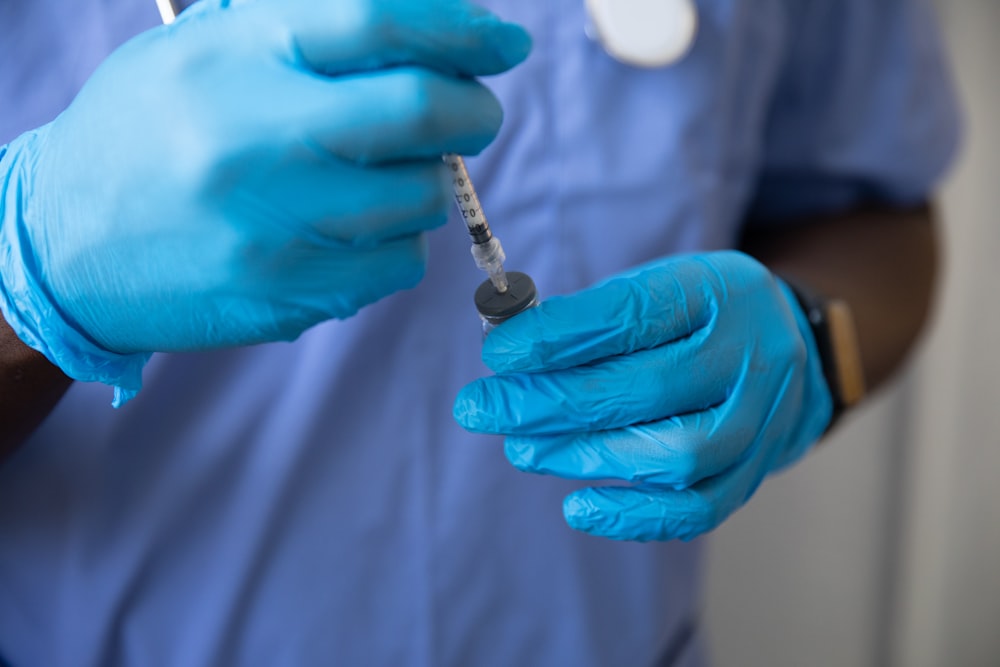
[(644, 33)]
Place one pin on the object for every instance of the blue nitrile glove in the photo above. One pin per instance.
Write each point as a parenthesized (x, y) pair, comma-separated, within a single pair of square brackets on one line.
[(693, 378), (242, 175)]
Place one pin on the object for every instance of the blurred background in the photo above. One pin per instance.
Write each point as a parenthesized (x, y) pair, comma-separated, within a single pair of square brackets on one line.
[(883, 548)]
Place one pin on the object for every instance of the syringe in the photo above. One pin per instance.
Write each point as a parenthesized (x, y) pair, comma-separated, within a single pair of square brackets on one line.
[(486, 248), (504, 295)]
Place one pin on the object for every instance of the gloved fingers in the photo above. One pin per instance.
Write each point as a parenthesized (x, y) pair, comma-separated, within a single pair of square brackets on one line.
[(677, 452), (642, 310), (400, 114), (305, 193), (648, 385), (372, 273), (280, 300), (306, 286), (645, 513), (452, 36)]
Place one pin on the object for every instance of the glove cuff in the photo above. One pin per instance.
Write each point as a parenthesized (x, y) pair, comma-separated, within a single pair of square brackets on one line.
[(29, 309)]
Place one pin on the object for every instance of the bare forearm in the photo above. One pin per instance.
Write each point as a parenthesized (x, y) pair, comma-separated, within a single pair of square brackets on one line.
[(30, 387), (882, 262)]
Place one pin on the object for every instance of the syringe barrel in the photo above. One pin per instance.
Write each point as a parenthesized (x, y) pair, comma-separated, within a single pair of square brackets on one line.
[(467, 200)]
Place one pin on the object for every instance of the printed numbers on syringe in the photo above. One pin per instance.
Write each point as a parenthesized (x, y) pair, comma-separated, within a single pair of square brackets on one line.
[(465, 197), (469, 210)]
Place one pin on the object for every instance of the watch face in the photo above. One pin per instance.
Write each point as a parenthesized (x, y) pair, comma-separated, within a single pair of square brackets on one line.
[(846, 353), (644, 33)]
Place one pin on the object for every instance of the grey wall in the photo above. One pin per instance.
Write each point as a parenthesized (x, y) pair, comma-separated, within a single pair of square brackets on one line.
[(883, 548), (949, 598), (801, 575)]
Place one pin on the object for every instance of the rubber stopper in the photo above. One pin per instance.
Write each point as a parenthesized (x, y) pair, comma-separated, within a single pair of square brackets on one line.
[(495, 307)]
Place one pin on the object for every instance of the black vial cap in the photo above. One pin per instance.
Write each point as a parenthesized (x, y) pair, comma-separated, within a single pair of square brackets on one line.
[(495, 307)]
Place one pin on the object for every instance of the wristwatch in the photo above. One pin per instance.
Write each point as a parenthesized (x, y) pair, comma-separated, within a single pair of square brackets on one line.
[(836, 337)]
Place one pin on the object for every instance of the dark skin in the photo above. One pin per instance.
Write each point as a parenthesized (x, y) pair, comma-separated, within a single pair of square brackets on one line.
[(30, 387), (883, 262)]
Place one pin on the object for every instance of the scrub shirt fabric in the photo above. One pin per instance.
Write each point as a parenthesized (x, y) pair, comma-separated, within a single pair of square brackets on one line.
[(313, 503)]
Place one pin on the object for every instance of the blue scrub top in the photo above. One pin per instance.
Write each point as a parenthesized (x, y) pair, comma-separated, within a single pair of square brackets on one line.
[(313, 503)]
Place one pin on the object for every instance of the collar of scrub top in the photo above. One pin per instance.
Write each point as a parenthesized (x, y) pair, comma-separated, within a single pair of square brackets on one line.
[(643, 33)]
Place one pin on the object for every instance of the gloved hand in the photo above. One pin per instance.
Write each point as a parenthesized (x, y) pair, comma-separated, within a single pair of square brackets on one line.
[(693, 378), (242, 175)]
